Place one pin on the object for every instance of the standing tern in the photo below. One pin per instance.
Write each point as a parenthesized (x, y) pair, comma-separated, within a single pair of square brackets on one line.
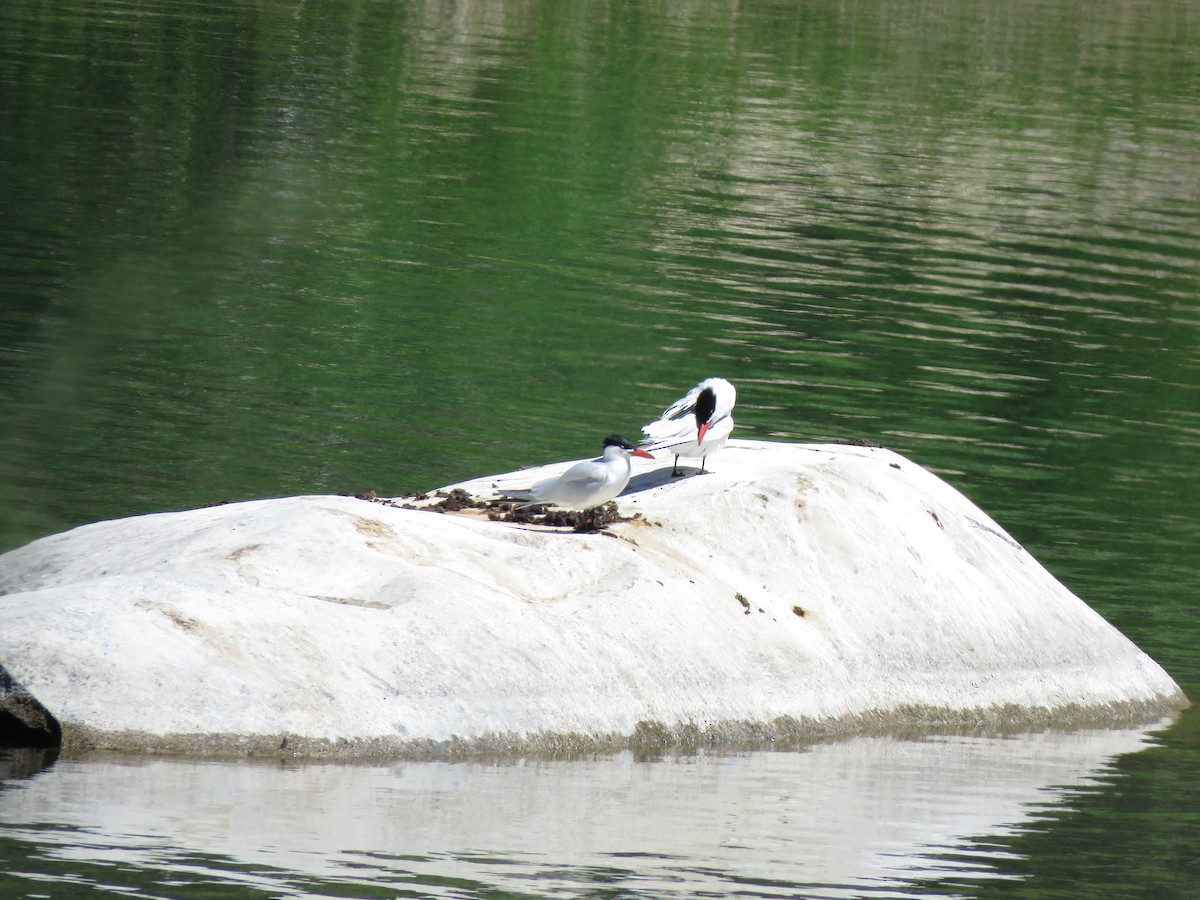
[(697, 424), (590, 483)]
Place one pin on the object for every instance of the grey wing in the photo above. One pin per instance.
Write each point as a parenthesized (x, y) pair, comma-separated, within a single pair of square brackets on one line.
[(684, 406), (673, 425), (584, 474)]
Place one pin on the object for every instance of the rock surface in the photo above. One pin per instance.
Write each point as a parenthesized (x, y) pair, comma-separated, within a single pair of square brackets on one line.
[(793, 591)]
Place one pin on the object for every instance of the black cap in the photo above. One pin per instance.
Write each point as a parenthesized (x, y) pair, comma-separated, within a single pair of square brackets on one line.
[(615, 440)]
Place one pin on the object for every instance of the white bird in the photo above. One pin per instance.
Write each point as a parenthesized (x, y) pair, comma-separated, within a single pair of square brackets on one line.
[(697, 424), (590, 483)]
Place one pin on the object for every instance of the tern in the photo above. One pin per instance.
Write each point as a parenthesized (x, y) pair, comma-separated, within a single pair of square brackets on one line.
[(697, 424), (590, 483)]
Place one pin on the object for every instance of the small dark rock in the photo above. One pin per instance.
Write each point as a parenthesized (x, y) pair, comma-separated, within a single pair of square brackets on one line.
[(24, 722)]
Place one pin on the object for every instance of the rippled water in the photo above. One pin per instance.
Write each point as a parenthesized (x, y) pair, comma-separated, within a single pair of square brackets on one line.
[(276, 248), (868, 816)]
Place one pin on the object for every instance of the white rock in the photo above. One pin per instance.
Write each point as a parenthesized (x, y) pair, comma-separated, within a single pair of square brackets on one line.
[(793, 590)]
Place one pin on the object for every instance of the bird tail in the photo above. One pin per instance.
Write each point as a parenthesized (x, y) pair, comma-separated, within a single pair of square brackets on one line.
[(658, 439), (658, 434), (526, 494), (510, 491)]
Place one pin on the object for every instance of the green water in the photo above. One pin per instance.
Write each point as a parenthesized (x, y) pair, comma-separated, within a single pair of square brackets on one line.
[(257, 249)]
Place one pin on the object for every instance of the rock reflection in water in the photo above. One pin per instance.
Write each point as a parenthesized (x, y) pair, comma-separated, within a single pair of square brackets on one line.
[(873, 813)]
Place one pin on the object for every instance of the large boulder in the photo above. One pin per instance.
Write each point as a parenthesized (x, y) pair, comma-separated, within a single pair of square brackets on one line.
[(791, 591)]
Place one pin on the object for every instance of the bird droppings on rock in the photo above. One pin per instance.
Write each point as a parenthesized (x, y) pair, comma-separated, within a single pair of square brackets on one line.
[(596, 519), (457, 500)]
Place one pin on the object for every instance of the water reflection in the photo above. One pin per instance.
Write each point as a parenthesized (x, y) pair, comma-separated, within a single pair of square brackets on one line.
[(871, 815)]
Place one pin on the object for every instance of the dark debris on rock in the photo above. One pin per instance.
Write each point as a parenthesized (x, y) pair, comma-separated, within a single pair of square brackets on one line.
[(458, 500)]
